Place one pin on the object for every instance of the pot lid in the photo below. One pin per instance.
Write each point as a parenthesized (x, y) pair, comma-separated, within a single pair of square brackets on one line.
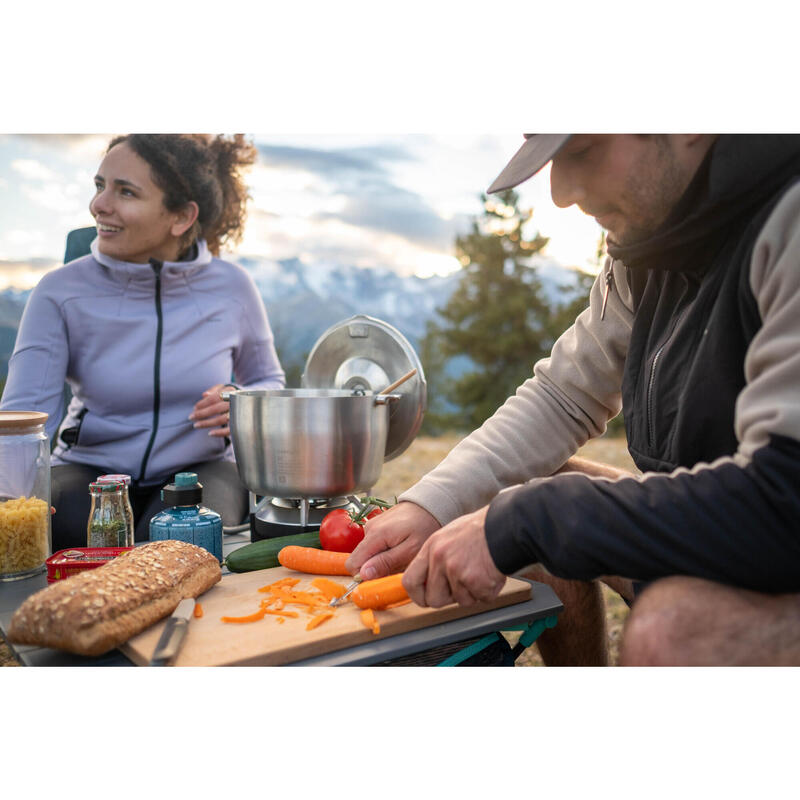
[(365, 353)]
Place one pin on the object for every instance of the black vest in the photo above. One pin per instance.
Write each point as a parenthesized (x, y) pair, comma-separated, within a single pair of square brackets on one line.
[(694, 320)]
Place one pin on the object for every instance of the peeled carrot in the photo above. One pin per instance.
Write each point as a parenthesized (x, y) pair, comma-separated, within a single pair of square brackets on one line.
[(312, 560), (398, 603), (198, 610), (380, 593)]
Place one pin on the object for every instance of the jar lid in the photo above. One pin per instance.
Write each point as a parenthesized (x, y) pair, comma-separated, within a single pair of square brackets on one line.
[(11, 421), (126, 479), (106, 486)]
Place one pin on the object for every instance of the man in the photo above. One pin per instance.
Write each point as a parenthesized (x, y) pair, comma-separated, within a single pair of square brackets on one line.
[(693, 330)]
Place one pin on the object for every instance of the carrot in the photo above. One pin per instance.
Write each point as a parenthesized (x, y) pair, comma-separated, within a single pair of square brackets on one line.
[(319, 618), (316, 562), (198, 610), (380, 593), (329, 588), (368, 618)]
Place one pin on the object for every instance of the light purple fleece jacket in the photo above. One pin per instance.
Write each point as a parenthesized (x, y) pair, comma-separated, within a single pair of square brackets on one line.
[(94, 323)]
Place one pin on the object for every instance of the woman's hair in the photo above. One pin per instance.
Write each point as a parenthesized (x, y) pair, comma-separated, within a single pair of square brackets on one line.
[(206, 169)]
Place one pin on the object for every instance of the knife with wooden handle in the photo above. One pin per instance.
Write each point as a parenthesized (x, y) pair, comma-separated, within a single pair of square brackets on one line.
[(173, 634)]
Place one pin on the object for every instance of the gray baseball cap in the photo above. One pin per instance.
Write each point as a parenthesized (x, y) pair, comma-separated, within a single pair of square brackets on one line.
[(537, 150)]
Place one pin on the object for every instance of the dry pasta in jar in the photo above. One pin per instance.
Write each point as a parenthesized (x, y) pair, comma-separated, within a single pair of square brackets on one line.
[(24, 540), (24, 494)]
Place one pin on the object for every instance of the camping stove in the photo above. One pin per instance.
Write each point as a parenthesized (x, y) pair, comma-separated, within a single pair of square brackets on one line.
[(271, 517)]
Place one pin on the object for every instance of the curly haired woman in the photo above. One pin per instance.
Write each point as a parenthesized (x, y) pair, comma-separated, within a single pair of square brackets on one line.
[(147, 330)]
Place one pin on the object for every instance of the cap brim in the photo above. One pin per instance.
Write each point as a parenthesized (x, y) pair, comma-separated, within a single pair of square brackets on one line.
[(537, 150)]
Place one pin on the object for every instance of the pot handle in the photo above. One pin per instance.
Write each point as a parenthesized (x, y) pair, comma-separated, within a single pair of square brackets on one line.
[(385, 399)]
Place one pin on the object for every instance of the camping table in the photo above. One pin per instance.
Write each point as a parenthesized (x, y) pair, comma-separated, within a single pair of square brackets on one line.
[(533, 616)]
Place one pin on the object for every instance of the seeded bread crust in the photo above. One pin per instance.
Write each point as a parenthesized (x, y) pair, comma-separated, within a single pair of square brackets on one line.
[(97, 610)]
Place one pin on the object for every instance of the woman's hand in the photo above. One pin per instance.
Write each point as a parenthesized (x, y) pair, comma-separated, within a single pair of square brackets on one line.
[(211, 411)]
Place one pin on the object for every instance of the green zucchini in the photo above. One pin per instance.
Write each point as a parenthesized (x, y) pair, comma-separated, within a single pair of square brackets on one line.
[(264, 554)]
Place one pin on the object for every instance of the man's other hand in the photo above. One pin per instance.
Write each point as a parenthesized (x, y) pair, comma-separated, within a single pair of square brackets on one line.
[(454, 565)]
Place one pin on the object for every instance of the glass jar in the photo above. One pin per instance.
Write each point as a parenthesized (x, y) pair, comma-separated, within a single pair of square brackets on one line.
[(126, 502), (108, 523), (25, 537)]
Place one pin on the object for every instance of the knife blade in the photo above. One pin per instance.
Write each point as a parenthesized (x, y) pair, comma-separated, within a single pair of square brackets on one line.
[(173, 633), (336, 600)]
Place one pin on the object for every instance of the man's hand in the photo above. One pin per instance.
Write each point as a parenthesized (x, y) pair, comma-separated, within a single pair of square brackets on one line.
[(211, 411), (391, 540), (454, 565)]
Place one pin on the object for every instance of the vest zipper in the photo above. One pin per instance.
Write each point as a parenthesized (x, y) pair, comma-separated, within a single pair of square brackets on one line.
[(156, 265), (651, 435)]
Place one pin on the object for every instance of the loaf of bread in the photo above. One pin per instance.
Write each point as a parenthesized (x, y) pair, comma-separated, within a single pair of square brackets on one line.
[(97, 610)]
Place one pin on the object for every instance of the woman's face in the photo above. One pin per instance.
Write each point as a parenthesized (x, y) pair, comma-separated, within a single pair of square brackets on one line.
[(132, 222)]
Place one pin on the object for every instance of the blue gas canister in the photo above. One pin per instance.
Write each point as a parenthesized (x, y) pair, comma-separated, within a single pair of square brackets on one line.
[(187, 520)]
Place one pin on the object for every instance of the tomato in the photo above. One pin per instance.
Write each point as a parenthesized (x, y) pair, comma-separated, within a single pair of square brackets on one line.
[(339, 532), (374, 513)]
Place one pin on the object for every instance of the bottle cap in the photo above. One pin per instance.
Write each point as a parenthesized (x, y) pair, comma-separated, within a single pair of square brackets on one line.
[(126, 479), (185, 491), (106, 486)]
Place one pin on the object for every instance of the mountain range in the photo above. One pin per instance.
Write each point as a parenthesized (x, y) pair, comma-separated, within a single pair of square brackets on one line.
[(304, 300)]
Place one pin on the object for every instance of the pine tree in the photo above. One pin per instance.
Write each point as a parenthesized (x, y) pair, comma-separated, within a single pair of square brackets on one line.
[(498, 315)]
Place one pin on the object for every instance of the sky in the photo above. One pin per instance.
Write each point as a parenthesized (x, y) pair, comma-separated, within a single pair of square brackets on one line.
[(368, 200)]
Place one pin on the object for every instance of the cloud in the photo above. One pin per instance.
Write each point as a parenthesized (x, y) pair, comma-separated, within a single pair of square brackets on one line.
[(333, 164), (32, 169), (370, 199)]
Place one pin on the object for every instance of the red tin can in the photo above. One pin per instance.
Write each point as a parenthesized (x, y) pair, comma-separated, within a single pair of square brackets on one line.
[(69, 562)]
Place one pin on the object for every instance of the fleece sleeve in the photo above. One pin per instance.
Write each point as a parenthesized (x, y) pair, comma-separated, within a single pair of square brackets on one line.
[(38, 365), (569, 399), (255, 362), (735, 520)]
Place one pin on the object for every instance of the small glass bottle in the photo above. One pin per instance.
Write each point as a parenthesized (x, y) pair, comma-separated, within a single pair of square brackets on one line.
[(25, 538), (187, 520), (126, 501), (108, 524)]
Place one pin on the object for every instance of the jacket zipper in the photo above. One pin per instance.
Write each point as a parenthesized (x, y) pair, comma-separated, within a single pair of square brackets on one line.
[(156, 265), (609, 284)]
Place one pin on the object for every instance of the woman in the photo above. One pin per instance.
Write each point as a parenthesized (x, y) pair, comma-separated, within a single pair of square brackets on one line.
[(147, 330)]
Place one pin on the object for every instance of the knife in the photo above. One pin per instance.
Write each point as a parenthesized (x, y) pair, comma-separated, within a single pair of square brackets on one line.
[(173, 633), (336, 600)]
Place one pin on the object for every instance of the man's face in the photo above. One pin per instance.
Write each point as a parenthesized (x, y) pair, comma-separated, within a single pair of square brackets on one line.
[(628, 182)]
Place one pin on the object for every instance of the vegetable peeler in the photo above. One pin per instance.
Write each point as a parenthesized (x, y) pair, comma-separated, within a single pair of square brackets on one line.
[(336, 600)]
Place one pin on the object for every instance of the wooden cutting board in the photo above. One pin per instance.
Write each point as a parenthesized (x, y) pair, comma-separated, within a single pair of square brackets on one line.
[(211, 642)]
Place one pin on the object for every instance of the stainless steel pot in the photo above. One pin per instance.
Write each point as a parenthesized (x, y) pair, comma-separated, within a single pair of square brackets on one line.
[(308, 443)]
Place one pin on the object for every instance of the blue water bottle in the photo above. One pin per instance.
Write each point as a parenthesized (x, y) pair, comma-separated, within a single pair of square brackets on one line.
[(187, 520)]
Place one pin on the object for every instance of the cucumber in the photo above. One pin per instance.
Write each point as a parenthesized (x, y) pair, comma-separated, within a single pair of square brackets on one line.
[(264, 554)]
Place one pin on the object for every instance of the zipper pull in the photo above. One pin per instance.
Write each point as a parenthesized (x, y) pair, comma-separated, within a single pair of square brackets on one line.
[(609, 282)]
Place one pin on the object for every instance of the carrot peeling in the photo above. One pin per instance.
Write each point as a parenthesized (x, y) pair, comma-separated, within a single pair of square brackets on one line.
[(198, 610), (319, 619), (249, 618), (328, 587), (368, 618)]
